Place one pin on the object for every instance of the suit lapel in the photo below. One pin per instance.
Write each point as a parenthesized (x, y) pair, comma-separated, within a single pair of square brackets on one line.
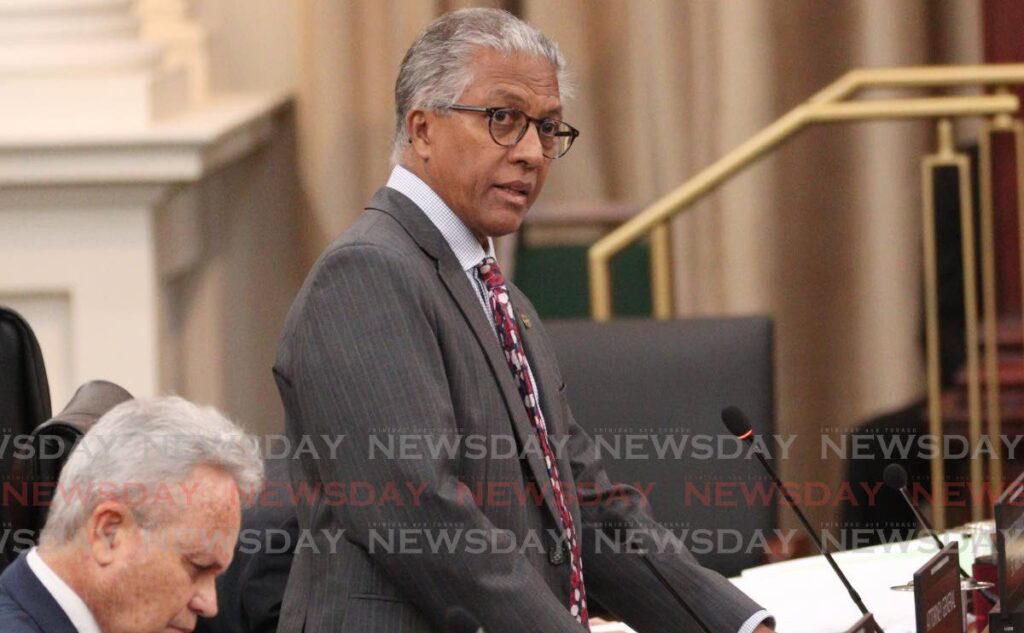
[(22, 585), (426, 235)]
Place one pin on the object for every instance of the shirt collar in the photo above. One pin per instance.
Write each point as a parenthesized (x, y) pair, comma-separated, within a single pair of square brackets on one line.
[(73, 606), (460, 239)]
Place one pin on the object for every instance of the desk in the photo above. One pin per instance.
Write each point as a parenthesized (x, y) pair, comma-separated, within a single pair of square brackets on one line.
[(805, 596)]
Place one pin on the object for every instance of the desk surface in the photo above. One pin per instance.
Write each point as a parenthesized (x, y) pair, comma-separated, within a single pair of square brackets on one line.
[(805, 596)]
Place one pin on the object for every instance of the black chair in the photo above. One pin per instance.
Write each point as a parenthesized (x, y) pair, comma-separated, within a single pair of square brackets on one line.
[(24, 405), (658, 384), (54, 439)]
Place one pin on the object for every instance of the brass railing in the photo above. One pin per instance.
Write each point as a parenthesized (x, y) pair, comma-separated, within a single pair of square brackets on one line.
[(834, 104)]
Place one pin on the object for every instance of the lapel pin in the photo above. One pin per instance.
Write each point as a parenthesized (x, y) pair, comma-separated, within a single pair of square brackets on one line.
[(526, 321)]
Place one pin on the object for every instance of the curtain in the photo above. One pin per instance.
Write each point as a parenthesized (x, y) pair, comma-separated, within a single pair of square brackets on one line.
[(349, 54), (823, 235)]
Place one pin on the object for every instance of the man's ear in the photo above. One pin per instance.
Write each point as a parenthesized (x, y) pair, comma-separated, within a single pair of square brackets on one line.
[(110, 530), (418, 125)]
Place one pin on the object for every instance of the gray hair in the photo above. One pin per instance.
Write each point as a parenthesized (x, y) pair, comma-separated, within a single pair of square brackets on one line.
[(438, 66), (144, 445)]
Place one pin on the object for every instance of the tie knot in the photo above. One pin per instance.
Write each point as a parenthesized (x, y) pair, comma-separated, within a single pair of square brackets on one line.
[(490, 273)]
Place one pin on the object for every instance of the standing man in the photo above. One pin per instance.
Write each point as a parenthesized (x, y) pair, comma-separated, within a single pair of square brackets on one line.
[(406, 335)]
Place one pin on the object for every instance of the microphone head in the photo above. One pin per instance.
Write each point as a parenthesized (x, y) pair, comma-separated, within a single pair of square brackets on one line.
[(895, 476), (458, 620), (737, 423)]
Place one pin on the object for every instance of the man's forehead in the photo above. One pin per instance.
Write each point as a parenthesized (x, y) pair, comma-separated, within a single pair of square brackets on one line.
[(206, 541), (500, 95), (520, 79), (206, 512)]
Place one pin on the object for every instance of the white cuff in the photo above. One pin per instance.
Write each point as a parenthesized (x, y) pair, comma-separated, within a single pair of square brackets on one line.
[(754, 620)]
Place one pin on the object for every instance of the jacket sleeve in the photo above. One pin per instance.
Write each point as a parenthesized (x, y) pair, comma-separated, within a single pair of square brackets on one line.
[(363, 359), (619, 532)]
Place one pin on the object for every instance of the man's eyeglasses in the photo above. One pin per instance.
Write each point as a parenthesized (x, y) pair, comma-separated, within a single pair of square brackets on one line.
[(508, 126)]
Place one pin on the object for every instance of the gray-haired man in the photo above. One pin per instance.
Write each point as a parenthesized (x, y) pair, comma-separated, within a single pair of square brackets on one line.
[(145, 516), (406, 336)]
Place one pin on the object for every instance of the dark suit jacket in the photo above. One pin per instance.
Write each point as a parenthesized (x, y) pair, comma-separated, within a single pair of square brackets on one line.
[(388, 338), (25, 604)]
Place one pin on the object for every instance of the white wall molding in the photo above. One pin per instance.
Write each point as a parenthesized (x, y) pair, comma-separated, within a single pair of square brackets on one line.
[(99, 227), (68, 64), (146, 229), (171, 24), (182, 149)]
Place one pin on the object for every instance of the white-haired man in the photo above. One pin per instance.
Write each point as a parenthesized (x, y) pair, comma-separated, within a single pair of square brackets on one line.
[(406, 336), (145, 516)]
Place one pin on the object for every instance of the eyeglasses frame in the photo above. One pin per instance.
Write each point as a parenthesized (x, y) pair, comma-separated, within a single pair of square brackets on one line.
[(572, 133)]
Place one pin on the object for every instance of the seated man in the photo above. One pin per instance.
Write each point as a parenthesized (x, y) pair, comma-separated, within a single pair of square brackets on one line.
[(145, 516), (250, 594)]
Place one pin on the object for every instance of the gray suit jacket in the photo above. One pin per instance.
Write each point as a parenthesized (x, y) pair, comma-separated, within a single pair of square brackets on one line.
[(387, 339)]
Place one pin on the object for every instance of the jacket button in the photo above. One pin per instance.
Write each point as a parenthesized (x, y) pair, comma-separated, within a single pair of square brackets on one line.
[(556, 555)]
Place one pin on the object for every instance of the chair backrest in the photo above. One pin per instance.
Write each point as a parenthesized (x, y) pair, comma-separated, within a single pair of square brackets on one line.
[(24, 405), (53, 440), (651, 394)]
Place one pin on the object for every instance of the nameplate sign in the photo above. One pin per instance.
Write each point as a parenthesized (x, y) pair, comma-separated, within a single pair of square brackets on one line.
[(1010, 547), (937, 598)]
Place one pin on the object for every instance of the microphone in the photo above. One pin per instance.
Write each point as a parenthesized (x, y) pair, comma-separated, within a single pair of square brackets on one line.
[(458, 620), (738, 424), (895, 476)]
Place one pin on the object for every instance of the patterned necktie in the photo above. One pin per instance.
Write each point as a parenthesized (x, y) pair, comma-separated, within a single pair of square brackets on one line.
[(511, 342)]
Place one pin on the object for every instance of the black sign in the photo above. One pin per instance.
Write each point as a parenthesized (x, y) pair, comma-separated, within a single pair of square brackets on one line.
[(937, 598), (1010, 546)]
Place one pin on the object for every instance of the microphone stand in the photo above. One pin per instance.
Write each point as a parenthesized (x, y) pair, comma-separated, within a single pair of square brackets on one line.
[(817, 540), (931, 532)]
